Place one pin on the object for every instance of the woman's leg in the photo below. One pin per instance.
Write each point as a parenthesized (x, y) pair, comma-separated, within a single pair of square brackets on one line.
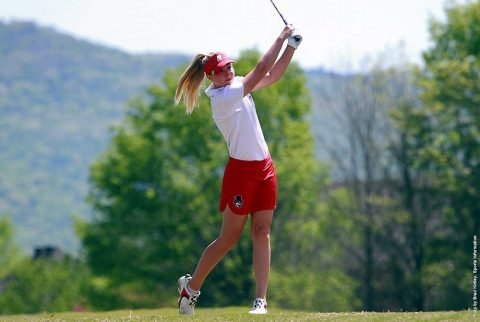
[(232, 227), (260, 230)]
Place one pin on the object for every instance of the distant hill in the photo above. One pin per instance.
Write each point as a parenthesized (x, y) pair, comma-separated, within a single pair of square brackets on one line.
[(323, 87), (58, 96)]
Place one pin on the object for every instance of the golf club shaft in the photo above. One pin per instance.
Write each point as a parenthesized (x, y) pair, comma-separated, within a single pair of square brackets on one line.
[(281, 16)]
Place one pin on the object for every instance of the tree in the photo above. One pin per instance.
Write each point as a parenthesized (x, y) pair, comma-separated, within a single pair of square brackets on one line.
[(155, 192), (9, 253), (449, 120), (412, 187), (373, 152), (358, 106)]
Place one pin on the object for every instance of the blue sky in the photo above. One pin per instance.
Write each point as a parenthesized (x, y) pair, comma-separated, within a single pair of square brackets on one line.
[(336, 32)]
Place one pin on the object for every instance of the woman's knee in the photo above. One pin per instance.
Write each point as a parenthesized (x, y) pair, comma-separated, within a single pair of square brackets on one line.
[(232, 228), (229, 240), (261, 232)]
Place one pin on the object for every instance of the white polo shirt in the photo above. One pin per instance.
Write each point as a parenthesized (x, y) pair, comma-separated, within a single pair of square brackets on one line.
[(236, 118)]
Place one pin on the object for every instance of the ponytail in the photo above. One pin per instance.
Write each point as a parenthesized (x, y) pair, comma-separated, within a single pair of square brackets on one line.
[(190, 82)]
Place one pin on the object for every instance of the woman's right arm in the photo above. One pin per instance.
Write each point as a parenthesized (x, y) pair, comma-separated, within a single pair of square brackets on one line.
[(266, 62)]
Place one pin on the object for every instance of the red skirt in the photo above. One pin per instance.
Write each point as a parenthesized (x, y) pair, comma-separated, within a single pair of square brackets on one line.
[(249, 186)]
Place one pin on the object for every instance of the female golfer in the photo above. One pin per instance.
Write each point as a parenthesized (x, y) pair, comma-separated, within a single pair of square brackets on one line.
[(249, 182)]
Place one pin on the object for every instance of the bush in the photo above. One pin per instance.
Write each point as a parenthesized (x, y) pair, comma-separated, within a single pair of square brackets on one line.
[(329, 290), (44, 285)]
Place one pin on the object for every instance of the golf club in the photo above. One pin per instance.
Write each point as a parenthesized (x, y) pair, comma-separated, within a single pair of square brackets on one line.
[(281, 16)]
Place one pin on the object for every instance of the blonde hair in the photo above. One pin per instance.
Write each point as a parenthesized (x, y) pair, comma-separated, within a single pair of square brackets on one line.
[(190, 82)]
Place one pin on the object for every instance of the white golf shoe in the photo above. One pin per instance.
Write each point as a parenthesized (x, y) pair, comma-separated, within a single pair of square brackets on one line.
[(259, 306), (187, 299)]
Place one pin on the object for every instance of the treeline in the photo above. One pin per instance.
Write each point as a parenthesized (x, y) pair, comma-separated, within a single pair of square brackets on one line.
[(391, 229)]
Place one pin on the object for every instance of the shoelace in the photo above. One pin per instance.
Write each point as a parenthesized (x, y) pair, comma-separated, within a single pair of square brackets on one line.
[(193, 300), (257, 304)]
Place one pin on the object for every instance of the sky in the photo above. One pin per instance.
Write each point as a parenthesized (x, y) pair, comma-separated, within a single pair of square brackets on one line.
[(336, 32)]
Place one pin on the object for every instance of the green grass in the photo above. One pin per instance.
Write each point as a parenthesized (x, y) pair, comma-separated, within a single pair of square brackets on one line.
[(240, 314)]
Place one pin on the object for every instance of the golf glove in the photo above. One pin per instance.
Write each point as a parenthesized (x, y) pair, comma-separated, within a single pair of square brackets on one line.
[(294, 40)]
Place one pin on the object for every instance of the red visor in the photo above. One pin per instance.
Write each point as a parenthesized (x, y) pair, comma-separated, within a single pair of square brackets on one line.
[(216, 63)]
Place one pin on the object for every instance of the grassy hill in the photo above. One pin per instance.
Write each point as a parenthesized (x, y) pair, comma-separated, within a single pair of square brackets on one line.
[(58, 96)]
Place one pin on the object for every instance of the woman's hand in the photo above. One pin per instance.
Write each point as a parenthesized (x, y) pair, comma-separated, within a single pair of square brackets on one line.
[(286, 32)]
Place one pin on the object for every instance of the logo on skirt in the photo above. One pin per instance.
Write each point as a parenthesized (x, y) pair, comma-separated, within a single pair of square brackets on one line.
[(238, 201)]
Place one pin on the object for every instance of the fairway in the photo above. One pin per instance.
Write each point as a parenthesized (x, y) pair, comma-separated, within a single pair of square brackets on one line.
[(240, 314)]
